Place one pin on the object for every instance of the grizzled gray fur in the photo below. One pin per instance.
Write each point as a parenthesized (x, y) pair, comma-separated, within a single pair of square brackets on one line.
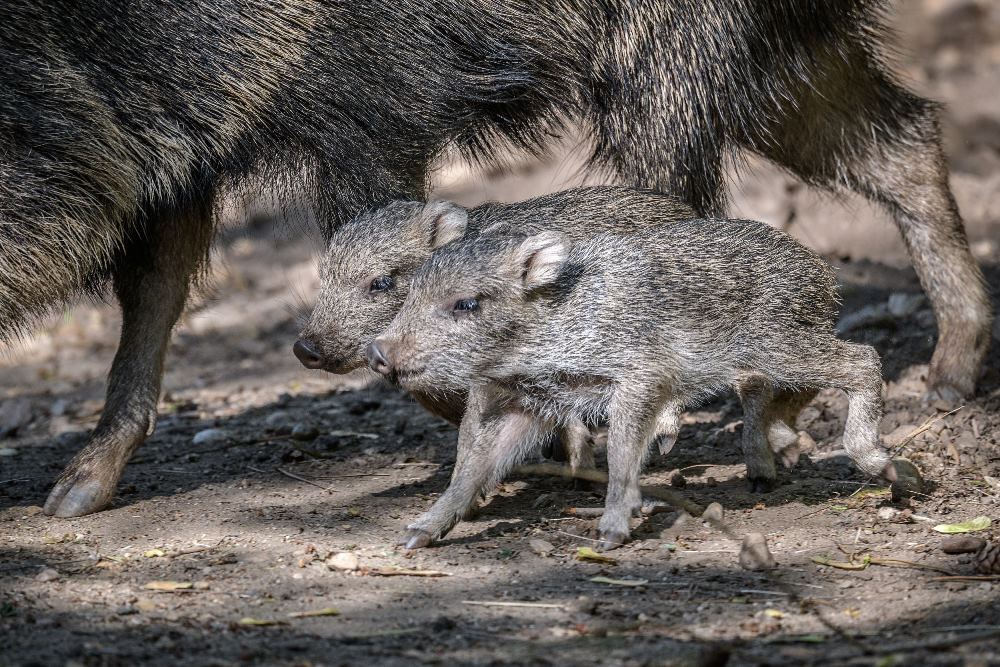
[(121, 122), (628, 328), (370, 261)]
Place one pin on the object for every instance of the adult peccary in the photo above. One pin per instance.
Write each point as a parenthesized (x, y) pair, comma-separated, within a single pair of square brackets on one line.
[(366, 270), (625, 328), (119, 122)]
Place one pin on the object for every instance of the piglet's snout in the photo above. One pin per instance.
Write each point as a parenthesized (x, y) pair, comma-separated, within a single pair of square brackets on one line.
[(378, 361)]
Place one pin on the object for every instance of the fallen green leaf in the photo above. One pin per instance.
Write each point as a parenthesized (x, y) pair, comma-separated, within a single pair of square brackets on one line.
[(588, 554), (326, 611), (619, 582), (970, 526)]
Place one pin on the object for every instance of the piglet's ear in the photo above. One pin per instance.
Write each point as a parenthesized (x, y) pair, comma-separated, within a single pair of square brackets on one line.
[(444, 222), (540, 258)]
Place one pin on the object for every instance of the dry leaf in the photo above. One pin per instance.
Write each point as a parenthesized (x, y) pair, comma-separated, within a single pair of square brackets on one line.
[(168, 586), (619, 582), (589, 555), (326, 611), (853, 613), (774, 613), (154, 553), (970, 526)]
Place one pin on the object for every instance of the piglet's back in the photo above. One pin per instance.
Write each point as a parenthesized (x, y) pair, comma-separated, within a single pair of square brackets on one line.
[(739, 272)]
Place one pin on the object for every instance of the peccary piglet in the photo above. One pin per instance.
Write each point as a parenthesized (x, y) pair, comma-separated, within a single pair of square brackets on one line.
[(627, 328), (369, 262)]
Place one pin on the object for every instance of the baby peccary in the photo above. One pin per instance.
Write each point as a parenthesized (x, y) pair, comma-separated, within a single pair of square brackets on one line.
[(627, 328), (369, 262)]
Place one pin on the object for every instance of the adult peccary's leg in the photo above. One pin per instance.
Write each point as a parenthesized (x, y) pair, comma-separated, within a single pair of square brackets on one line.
[(756, 396), (152, 278), (851, 126), (488, 447)]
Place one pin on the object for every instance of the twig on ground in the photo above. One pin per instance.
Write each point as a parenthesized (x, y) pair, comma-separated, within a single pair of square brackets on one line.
[(968, 577), (922, 429), (286, 473), (491, 603)]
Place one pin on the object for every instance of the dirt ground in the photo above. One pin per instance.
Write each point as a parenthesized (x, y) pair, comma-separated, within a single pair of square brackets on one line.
[(262, 477)]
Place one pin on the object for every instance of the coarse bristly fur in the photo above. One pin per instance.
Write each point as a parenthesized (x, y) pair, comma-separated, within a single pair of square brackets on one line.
[(370, 261), (120, 122), (631, 328)]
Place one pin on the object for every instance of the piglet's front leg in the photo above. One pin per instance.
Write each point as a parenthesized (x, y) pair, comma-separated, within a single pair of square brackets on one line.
[(489, 447)]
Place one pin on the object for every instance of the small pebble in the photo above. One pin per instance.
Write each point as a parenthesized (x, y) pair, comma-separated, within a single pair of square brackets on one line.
[(887, 513), (754, 554), (678, 480), (47, 574), (713, 512), (210, 436), (541, 547), (8, 451), (343, 561), (305, 432)]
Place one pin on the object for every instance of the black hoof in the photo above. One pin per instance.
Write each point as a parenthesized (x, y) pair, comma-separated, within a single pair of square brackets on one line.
[(761, 484)]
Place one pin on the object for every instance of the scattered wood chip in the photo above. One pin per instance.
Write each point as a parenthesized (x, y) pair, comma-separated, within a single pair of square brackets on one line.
[(970, 526), (326, 611), (619, 582), (168, 586), (587, 554)]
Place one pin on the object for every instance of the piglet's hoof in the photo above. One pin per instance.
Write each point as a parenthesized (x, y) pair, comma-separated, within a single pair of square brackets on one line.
[(906, 479), (611, 540), (415, 538)]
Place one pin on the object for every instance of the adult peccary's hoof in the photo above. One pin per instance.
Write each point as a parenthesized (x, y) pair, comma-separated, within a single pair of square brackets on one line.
[(611, 540), (79, 494), (761, 484), (908, 480), (415, 538)]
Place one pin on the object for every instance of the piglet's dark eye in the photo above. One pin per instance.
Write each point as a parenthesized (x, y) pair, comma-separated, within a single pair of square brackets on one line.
[(466, 305), (382, 284)]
